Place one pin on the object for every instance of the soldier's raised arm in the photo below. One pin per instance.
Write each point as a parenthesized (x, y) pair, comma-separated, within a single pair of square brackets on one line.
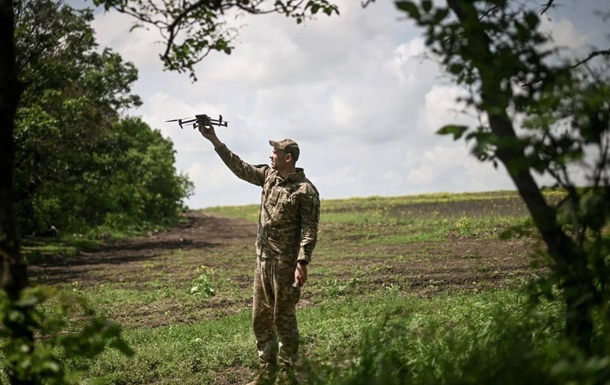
[(245, 171)]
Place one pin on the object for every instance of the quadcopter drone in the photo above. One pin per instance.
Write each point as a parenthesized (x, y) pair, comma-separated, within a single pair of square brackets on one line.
[(201, 119)]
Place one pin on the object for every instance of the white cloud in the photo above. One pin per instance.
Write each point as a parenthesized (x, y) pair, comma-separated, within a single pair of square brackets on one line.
[(141, 46), (355, 91), (442, 108), (341, 111), (564, 33)]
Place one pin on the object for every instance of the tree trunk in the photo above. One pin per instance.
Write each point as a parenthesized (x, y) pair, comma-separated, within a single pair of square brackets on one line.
[(570, 261), (13, 274)]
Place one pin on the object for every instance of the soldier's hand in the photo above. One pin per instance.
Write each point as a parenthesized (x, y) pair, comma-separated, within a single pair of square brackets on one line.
[(205, 127), (300, 274), (207, 131)]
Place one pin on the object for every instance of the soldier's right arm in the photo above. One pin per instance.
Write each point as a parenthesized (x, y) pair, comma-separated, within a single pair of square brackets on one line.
[(250, 173)]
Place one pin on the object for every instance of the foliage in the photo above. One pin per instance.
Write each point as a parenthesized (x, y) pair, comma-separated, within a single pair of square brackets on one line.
[(474, 342), (334, 287), (136, 182), (78, 164), (204, 284), (192, 29), (63, 337), (56, 50), (539, 114)]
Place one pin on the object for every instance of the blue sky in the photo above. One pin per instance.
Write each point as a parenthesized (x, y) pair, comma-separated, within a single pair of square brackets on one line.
[(354, 91)]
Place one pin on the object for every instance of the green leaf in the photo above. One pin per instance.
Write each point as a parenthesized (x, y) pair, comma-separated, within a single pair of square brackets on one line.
[(330, 10), (410, 8), (456, 68), (455, 130), (532, 20), (440, 15), (426, 5)]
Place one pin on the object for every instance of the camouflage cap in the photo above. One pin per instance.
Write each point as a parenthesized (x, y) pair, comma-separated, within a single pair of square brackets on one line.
[(287, 145)]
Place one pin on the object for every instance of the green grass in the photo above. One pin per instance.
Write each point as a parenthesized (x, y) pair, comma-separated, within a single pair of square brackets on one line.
[(34, 251), (381, 220), (352, 324), (330, 333), (188, 354), (483, 338), (389, 209), (248, 212)]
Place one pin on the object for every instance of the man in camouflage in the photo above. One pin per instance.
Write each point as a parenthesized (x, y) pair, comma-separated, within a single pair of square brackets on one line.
[(287, 233)]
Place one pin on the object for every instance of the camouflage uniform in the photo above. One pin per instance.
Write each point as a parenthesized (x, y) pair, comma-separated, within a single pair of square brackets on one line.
[(287, 233)]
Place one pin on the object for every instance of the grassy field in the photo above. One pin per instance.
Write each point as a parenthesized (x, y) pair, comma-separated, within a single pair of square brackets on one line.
[(430, 278)]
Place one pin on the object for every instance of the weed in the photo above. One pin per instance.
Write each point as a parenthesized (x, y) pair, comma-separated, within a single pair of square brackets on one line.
[(463, 226), (204, 284), (335, 287)]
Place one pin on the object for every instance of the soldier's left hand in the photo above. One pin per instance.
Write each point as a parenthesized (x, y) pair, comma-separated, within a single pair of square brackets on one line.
[(300, 275)]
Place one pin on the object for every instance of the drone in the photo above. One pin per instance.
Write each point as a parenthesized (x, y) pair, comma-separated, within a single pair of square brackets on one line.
[(201, 119)]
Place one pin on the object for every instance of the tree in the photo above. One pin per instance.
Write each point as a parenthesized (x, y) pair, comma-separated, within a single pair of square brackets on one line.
[(13, 272), (137, 177), (495, 49), (192, 29), (70, 138), (14, 277), (72, 97)]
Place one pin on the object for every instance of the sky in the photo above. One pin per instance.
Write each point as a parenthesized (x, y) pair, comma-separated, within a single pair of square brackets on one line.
[(355, 91)]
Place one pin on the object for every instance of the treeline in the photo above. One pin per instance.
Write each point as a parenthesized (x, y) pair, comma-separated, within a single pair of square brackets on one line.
[(80, 163)]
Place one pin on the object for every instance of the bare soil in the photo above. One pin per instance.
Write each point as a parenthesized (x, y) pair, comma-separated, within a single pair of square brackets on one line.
[(170, 259)]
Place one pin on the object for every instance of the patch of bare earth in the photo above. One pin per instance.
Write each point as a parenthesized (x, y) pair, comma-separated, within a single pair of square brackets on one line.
[(227, 245), (158, 261), (113, 262)]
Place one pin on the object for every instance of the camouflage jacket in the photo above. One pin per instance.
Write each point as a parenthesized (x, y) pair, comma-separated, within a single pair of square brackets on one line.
[(290, 209)]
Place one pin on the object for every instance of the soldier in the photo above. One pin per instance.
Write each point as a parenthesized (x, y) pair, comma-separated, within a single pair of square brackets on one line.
[(287, 233)]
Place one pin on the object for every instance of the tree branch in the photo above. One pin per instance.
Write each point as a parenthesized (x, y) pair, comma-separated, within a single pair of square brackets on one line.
[(547, 6), (177, 20), (490, 10), (591, 56)]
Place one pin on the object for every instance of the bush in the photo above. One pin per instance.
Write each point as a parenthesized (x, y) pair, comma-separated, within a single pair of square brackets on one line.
[(67, 329)]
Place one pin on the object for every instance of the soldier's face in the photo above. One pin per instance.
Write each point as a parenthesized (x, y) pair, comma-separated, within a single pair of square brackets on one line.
[(278, 159)]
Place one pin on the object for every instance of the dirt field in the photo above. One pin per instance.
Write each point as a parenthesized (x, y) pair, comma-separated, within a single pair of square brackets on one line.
[(170, 259)]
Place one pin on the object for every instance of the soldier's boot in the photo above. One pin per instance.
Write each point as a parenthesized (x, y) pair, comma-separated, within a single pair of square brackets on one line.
[(286, 376), (266, 376)]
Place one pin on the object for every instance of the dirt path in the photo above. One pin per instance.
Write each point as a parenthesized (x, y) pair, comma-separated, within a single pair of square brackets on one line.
[(125, 258)]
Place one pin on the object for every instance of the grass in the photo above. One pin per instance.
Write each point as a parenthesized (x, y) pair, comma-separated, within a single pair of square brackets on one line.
[(363, 293), (179, 353), (485, 338), (418, 218), (35, 251), (332, 336)]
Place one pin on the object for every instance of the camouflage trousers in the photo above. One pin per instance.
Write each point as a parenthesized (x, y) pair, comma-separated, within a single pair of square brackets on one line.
[(273, 312)]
